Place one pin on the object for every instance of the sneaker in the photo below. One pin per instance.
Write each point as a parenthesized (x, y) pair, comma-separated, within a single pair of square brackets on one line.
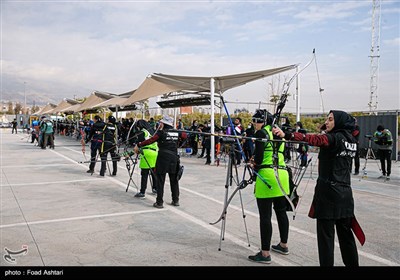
[(382, 177), (175, 203), (158, 205), (90, 171), (260, 258), (278, 248), (114, 174), (387, 178), (356, 173), (139, 194), (154, 190)]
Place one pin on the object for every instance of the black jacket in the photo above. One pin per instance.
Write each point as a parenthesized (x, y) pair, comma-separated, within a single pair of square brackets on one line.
[(333, 197)]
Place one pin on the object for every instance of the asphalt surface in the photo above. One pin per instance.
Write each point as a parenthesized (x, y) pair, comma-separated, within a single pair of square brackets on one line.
[(56, 214)]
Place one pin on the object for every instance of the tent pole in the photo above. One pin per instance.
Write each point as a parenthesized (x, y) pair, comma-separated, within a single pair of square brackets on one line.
[(175, 113), (212, 91), (297, 94), (221, 122)]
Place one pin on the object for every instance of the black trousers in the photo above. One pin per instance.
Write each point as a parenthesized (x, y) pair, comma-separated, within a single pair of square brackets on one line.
[(95, 148), (103, 157), (238, 154), (173, 181), (143, 181), (193, 144), (265, 211), (356, 161), (326, 241), (385, 155)]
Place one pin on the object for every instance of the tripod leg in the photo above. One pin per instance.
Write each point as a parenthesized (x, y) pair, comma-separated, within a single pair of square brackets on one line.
[(244, 218), (228, 183), (367, 155), (370, 154), (364, 169), (374, 157)]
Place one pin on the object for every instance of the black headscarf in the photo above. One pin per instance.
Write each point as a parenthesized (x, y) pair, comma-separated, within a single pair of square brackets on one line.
[(144, 124), (343, 121)]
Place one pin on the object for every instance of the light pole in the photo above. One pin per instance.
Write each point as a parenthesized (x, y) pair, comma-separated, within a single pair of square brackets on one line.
[(24, 98)]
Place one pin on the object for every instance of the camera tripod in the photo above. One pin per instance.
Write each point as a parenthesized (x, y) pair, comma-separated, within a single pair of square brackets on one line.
[(370, 154), (232, 176)]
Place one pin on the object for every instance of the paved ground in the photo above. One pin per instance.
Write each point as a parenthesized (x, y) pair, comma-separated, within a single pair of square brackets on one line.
[(66, 217)]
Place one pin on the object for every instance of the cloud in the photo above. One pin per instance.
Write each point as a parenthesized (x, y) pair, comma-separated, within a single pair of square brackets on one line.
[(323, 12), (395, 42), (63, 49)]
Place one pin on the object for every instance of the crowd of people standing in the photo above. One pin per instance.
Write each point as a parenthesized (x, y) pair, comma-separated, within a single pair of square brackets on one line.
[(157, 143)]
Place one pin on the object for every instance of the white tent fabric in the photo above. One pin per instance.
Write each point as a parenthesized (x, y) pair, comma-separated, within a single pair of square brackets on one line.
[(93, 100), (150, 88), (62, 105), (49, 107), (113, 102), (71, 109), (158, 84)]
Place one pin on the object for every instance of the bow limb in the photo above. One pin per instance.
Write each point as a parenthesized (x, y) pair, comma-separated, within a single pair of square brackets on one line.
[(226, 206), (281, 105), (286, 86), (243, 184), (129, 133), (283, 191), (83, 144)]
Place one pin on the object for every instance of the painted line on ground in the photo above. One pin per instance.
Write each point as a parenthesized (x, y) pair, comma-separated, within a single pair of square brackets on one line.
[(199, 222), (82, 218)]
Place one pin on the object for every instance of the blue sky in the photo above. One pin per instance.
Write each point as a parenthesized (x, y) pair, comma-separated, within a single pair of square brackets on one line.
[(70, 48)]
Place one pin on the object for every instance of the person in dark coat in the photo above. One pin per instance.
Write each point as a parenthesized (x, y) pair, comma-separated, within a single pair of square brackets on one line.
[(383, 138), (167, 159), (96, 138), (14, 126), (333, 204), (110, 133)]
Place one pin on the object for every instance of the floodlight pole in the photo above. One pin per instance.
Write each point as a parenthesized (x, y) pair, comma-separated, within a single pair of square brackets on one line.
[(212, 91), (25, 111)]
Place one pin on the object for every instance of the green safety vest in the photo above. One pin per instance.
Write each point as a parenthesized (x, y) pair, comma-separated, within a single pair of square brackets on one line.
[(267, 171), (149, 157)]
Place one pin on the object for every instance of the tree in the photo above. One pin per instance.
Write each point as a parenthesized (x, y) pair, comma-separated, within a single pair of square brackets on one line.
[(238, 111), (34, 109), (10, 108), (18, 108)]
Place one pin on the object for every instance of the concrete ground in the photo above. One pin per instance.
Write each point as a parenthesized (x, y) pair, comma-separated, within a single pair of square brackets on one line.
[(64, 216)]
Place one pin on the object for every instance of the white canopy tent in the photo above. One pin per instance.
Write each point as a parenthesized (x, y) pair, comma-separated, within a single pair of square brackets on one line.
[(49, 107), (65, 103), (158, 84), (94, 99)]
